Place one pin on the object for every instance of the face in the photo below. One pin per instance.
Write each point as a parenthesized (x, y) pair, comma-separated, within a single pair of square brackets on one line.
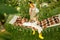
[(23, 20)]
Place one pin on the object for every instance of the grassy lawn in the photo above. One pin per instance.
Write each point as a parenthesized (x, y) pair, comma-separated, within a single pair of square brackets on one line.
[(19, 33)]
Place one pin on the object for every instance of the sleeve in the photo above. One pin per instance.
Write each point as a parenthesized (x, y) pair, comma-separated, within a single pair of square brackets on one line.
[(37, 10), (29, 10)]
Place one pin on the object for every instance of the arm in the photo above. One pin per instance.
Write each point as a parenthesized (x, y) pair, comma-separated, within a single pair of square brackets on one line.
[(30, 12)]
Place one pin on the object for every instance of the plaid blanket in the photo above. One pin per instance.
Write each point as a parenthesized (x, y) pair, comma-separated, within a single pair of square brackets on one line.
[(49, 22)]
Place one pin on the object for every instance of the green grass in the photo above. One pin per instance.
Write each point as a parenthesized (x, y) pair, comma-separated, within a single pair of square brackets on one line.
[(19, 33)]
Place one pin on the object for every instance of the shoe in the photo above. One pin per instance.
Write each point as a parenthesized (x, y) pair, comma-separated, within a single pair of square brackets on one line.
[(33, 32), (40, 36)]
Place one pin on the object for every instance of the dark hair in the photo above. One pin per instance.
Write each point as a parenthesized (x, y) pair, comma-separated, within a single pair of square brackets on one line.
[(30, 2)]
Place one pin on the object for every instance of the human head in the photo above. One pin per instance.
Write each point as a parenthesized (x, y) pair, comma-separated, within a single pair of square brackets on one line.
[(31, 4), (23, 20)]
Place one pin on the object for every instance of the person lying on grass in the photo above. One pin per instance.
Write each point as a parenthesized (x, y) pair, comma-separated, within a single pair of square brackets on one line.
[(30, 24), (17, 21)]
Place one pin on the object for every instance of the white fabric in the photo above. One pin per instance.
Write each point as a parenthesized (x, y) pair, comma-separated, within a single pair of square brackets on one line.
[(37, 27), (26, 24), (34, 24), (59, 16), (34, 10), (13, 19), (37, 10)]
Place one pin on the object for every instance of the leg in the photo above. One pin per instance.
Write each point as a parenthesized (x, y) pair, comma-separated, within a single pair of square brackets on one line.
[(40, 33), (40, 36), (33, 31)]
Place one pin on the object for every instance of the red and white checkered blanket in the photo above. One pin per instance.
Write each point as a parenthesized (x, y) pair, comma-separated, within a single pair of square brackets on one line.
[(49, 22)]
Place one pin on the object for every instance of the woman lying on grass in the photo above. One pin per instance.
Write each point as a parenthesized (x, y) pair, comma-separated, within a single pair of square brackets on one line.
[(36, 25), (17, 21), (30, 24)]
